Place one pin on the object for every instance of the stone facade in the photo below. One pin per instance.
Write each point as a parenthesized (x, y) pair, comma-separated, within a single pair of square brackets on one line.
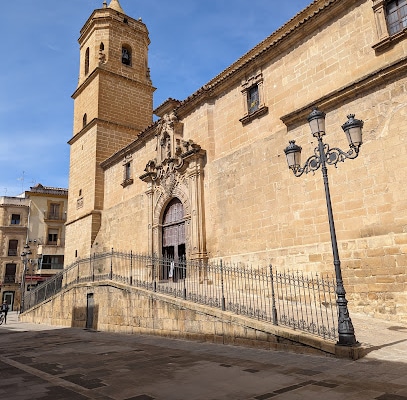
[(220, 152), (32, 223)]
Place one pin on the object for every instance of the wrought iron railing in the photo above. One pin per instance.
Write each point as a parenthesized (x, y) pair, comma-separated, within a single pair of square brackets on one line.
[(306, 303)]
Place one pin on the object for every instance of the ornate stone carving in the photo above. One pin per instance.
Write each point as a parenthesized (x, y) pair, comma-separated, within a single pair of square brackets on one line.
[(173, 153), (168, 175)]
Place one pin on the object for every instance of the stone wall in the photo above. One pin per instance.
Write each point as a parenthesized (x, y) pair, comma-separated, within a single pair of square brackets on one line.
[(255, 212), (134, 311)]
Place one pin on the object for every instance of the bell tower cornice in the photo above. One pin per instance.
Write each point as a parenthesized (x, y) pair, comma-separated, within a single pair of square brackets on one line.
[(116, 42), (105, 16), (101, 70)]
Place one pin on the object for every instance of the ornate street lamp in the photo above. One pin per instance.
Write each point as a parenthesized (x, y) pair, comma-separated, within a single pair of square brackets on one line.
[(24, 259), (322, 157)]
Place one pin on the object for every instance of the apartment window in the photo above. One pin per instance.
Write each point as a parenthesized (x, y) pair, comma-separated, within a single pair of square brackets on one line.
[(54, 211), (15, 219), (10, 274), (12, 247), (52, 262), (396, 12), (53, 236), (126, 55)]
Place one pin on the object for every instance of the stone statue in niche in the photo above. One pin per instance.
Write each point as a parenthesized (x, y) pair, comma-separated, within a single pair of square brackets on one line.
[(166, 137)]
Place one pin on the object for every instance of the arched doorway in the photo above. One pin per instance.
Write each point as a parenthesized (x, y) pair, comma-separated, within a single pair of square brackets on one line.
[(173, 237)]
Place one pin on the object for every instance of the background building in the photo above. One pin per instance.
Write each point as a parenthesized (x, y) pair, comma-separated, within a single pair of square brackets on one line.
[(32, 223), (209, 179)]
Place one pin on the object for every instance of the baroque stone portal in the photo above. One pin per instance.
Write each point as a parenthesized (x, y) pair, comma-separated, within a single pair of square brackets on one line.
[(176, 172)]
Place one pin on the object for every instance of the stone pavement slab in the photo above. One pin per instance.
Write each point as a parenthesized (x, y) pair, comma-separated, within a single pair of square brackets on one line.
[(51, 363)]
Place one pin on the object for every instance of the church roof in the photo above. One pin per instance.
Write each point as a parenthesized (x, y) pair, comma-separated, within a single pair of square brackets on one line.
[(115, 5)]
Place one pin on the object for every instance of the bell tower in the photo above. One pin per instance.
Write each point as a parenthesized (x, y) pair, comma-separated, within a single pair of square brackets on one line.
[(112, 104)]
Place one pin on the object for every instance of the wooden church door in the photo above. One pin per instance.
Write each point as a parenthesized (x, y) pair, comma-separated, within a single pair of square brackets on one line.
[(173, 237)]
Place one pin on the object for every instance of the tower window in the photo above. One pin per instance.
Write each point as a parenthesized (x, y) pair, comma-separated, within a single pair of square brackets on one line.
[(102, 46), (85, 120), (126, 55), (87, 61)]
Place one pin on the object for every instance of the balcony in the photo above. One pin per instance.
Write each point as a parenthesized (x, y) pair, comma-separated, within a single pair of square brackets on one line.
[(9, 279), (50, 216), (52, 247), (50, 266)]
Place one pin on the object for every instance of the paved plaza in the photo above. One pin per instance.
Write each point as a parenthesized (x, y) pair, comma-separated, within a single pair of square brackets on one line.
[(43, 362)]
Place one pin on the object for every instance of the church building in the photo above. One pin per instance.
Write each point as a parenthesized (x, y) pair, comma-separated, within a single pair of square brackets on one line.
[(208, 178)]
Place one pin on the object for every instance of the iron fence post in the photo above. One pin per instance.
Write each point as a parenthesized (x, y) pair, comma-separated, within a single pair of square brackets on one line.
[(93, 267), (153, 274), (184, 275), (111, 265), (273, 299), (221, 282), (131, 267)]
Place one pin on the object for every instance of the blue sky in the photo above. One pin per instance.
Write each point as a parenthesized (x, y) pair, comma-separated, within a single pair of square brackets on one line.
[(191, 42)]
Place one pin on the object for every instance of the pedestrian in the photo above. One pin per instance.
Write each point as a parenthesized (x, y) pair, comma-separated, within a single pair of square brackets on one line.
[(4, 309)]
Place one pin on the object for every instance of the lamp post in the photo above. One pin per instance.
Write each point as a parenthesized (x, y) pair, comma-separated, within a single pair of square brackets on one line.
[(323, 156), (24, 259)]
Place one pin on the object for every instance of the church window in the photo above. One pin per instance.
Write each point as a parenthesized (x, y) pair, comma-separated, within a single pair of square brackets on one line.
[(253, 98), (396, 12), (84, 120), (87, 61), (391, 22), (126, 55), (127, 172)]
